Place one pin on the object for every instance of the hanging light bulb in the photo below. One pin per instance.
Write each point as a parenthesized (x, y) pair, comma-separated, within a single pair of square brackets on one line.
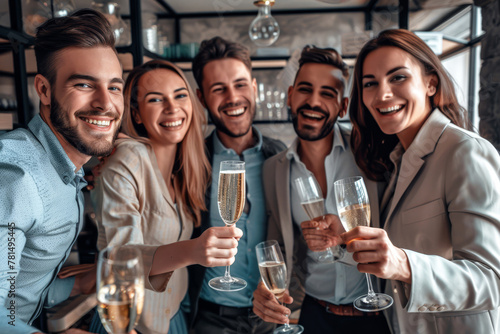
[(264, 29)]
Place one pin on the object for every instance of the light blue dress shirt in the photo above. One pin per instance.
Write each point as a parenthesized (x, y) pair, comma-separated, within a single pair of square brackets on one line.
[(253, 223), (338, 283), (41, 210)]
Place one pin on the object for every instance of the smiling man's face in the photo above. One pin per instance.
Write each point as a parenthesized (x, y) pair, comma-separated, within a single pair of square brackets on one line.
[(87, 99), (316, 100), (228, 93)]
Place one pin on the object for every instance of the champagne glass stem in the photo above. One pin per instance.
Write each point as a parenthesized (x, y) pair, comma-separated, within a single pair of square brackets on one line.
[(227, 275), (371, 294), (286, 324)]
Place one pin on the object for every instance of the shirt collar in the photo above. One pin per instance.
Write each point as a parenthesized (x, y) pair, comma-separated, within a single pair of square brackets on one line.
[(56, 154), (338, 140), (220, 148)]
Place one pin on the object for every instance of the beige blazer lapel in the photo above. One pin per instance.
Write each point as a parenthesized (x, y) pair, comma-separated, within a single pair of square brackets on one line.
[(372, 188), (413, 159), (282, 177)]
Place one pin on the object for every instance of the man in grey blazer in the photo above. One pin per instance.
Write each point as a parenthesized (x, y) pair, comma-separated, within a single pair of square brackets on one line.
[(321, 149)]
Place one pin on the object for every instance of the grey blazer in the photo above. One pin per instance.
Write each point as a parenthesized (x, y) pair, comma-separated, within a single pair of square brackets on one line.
[(445, 214), (276, 177)]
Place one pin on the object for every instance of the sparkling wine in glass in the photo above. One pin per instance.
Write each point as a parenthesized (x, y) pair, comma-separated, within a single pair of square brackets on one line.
[(312, 202), (353, 206), (273, 273), (120, 288), (231, 201)]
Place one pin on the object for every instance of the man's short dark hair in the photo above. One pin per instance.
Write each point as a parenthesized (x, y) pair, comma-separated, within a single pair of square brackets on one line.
[(218, 48), (85, 28), (328, 56)]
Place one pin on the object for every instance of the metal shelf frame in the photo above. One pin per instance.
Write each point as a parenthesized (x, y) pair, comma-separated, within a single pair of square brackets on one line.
[(19, 40)]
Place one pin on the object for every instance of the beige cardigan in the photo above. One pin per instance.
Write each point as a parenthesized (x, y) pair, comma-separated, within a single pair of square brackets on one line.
[(133, 206)]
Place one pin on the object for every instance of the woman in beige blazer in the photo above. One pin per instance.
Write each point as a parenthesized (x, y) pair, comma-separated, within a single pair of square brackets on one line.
[(438, 247), (151, 191)]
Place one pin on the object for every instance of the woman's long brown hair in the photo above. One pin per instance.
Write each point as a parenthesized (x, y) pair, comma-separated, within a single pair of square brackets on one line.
[(191, 167), (370, 145)]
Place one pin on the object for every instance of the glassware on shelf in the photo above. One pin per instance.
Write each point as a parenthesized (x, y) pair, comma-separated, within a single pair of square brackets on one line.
[(39, 11), (270, 103), (111, 11), (150, 32)]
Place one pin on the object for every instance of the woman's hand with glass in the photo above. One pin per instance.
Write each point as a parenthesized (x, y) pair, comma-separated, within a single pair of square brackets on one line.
[(217, 246), (375, 253)]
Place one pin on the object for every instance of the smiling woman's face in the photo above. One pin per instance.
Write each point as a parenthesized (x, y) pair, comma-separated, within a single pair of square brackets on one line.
[(397, 92), (165, 108)]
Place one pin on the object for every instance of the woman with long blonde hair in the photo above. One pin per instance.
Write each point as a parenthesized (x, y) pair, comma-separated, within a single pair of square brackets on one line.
[(150, 192)]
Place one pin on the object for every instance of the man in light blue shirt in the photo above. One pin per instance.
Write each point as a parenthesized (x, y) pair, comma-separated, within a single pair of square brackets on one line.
[(222, 70), (80, 84), (321, 149)]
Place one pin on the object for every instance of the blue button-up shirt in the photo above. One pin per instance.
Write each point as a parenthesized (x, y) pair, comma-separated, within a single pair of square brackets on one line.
[(338, 283), (41, 210), (252, 222)]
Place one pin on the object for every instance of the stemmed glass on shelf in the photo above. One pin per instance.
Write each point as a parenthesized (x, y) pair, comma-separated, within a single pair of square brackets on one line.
[(120, 288), (311, 199), (272, 269), (231, 201), (353, 208)]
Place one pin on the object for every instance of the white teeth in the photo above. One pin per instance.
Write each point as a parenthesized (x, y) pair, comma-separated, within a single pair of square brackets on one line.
[(236, 112), (172, 124), (96, 122), (390, 109), (312, 115)]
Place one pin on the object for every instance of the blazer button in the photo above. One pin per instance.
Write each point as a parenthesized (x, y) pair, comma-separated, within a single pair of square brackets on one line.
[(433, 308), (169, 290), (441, 308), (422, 309)]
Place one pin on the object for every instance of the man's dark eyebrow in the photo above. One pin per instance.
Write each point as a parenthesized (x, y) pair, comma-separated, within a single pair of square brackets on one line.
[(82, 77), (118, 80), (222, 84), (370, 76), (93, 79), (305, 83)]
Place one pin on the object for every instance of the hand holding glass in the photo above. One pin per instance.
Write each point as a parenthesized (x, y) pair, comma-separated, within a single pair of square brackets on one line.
[(120, 288), (273, 272), (231, 201), (312, 202), (353, 207)]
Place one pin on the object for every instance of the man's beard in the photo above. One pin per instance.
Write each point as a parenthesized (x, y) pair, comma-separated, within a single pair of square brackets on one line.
[(220, 126), (99, 146), (325, 130)]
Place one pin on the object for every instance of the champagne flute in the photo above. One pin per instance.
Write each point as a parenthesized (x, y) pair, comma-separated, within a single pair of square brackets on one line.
[(273, 272), (120, 288), (231, 200), (312, 202), (353, 206)]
